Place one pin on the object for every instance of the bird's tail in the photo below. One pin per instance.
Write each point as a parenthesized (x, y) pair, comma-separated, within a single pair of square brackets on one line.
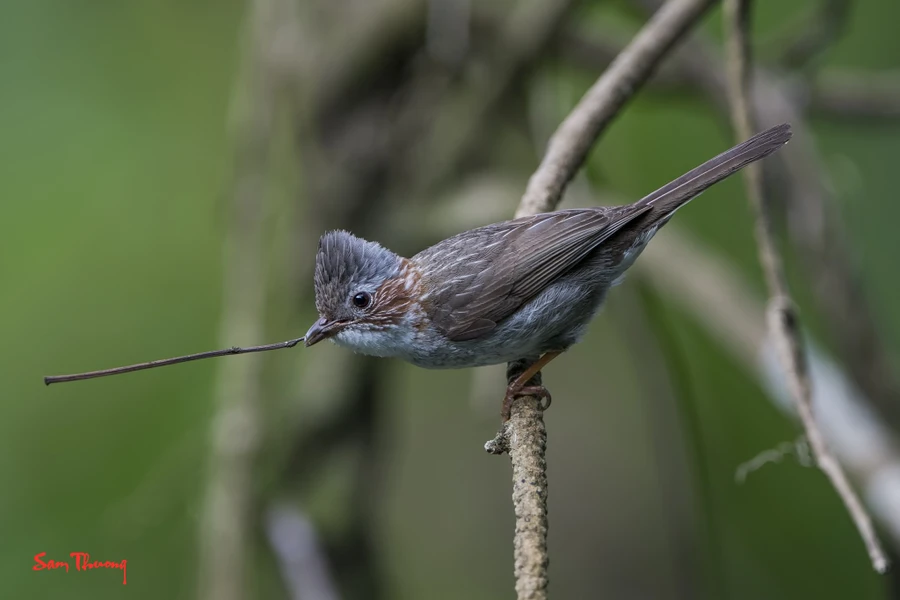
[(667, 199)]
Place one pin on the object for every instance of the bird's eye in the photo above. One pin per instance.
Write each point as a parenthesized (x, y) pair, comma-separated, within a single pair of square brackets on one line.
[(362, 300)]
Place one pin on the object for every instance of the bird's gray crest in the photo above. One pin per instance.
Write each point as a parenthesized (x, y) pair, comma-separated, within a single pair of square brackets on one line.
[(345, 265)]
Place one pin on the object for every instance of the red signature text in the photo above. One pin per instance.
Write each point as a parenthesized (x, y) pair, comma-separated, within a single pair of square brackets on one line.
[(82, 563)]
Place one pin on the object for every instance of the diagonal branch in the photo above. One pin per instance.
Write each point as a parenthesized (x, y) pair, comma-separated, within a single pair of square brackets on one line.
[(783, 320), (524, 435)]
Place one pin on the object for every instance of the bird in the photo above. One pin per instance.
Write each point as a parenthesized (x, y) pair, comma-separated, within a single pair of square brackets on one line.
[(523, 289)]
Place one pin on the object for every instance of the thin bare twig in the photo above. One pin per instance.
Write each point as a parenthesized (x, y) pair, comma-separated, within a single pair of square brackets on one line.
[(164, 362), (524, 435), (782, 317)]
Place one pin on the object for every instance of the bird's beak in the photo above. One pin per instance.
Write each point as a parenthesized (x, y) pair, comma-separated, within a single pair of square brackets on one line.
[(322, 329)]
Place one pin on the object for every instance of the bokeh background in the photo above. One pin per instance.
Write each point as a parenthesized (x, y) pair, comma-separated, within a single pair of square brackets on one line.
[(165, 171)]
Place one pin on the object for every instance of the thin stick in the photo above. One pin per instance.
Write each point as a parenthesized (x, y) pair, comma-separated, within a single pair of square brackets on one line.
[(784, 324), (171, 361)]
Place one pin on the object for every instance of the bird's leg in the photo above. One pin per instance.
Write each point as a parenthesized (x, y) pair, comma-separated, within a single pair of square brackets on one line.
[(518, 386)]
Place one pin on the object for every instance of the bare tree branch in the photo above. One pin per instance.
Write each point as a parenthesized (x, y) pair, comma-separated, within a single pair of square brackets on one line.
[(783, 320)]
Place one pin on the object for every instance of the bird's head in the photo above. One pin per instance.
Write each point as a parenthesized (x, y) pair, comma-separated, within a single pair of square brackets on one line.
[(364, 293)]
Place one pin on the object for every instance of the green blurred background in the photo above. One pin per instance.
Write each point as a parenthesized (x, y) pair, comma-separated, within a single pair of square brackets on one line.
[(116, 163)]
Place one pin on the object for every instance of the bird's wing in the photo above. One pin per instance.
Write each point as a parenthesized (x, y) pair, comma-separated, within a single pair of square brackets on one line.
[(476, 279)]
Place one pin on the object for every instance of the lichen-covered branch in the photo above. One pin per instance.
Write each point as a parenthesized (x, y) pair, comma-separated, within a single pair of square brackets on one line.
[(524, 438), (782, 317)]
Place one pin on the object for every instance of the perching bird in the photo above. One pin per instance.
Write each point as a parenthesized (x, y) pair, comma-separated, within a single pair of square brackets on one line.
[(520, 289)]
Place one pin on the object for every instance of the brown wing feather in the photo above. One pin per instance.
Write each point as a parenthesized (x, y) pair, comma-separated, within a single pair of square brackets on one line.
[(482, 276)]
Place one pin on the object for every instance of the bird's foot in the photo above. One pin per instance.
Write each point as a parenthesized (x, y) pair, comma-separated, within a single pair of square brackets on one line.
[(516, 391)]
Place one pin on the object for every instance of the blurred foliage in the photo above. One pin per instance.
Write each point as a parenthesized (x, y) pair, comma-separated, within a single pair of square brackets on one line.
[(114, 162)]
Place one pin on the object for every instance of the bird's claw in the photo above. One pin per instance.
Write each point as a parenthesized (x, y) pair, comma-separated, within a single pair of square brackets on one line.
[(538, 391)]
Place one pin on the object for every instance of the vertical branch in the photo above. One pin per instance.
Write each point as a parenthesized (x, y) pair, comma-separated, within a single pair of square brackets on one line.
[(524, 435), (784, 323), (227, 516), (524, 438), (527, 451)]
